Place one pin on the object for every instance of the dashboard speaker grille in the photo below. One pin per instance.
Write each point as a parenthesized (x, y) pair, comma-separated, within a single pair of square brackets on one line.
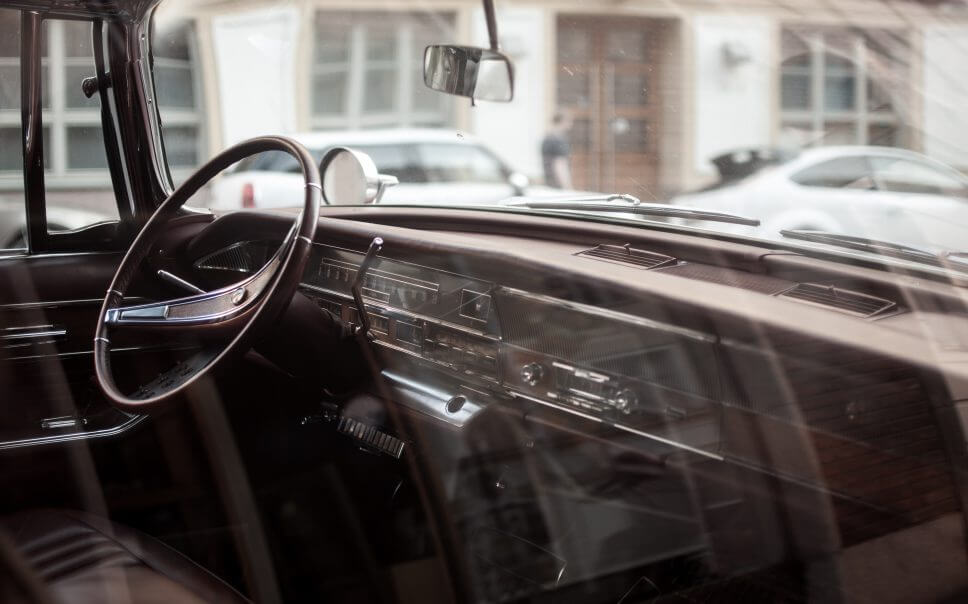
[(623, 254), (850, 302)]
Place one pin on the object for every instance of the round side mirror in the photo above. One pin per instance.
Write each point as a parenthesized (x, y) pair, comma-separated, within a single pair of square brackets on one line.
[(520, 182), (349, 177)]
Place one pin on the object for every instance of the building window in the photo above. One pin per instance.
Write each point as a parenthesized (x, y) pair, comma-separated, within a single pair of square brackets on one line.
[(843, 88), (177, 86), (368, 73)]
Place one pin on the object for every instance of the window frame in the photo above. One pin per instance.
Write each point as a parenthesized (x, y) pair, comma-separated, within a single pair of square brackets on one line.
[(107, 235), (357, 67), (816, 117)]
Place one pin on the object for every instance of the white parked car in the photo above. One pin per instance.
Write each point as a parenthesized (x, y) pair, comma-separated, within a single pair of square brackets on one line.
[(878, 192), (434, 166)]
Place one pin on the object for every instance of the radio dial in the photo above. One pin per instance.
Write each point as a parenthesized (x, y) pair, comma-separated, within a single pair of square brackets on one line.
[(625, 400), (531, 374)]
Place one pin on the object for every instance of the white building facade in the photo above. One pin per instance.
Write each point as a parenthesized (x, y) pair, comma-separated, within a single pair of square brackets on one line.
[(656, 89)]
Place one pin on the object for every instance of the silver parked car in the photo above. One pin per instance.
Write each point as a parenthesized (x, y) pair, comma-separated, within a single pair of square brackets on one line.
[(879, 192)]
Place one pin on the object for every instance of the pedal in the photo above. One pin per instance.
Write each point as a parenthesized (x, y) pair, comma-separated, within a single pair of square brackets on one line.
[(370, 437)]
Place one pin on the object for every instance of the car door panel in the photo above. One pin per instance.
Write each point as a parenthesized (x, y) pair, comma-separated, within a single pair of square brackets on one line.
[(56, 277), (48, 310)]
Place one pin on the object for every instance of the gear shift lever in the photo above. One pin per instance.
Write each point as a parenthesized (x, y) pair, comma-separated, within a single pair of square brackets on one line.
[(357, 288)]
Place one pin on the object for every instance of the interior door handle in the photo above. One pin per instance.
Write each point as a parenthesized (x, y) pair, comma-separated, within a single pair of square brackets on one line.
[(66, 421)]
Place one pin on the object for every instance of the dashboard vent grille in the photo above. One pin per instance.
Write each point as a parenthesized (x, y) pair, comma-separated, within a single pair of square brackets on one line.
[(756, 282), (850, 302), (245, 257), (625, 254)]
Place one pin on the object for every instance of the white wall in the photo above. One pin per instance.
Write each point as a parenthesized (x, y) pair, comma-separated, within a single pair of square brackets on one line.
[(732, 103), (945, 94), (514, 130), (255, 58)]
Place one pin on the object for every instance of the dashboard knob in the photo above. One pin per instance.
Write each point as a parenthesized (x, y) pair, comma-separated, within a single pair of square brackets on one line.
[(532, 373), (625, 400)]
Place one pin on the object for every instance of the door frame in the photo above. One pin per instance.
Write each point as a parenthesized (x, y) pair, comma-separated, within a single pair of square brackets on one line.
[(600, 155)]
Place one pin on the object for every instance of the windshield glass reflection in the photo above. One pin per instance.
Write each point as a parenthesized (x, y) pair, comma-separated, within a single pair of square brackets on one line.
[(793, 121)]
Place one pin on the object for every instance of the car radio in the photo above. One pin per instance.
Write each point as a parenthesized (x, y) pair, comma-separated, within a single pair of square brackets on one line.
[(569, 384)]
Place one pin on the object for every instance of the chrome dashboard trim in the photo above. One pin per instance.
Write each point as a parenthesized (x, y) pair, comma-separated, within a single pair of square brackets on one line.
[(24, 334), (396, 312), (623, 427), (390, 259), (227, 305), (24, 254), (60, 303), (431, 401), (611, 314), (77, 353), (55, 303)]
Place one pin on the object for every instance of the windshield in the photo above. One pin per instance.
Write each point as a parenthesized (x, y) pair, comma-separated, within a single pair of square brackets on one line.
[(811, 120)]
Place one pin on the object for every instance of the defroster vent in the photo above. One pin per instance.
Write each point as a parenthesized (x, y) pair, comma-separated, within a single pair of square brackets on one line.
[(626, 254), (846, 301)]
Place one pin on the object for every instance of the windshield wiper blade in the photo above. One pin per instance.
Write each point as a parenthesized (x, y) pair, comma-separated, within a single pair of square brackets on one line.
[(877, 246), (627, 204)]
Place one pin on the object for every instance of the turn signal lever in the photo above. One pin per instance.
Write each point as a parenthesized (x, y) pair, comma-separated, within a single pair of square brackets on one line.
[(357, 288)]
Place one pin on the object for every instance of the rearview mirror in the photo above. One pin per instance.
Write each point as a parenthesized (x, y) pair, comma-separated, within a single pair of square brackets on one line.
[(478, 73), (351, 178)]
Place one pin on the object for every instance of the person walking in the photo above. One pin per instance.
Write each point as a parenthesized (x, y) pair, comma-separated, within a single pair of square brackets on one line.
[(556, 152)]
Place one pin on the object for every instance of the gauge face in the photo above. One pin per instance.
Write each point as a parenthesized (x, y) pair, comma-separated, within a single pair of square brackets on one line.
[(381, 286), (475, 305), (463, 351), (409, 332)]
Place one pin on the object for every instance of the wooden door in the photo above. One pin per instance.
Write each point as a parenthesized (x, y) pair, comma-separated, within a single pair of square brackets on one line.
[(607, 79)]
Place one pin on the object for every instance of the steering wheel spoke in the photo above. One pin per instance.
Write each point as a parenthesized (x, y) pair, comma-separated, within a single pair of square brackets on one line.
[(206, 308)]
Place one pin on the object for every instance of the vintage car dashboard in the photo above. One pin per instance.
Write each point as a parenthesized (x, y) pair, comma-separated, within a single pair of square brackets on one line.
[(458, 331), (450, 343), (680, 348)]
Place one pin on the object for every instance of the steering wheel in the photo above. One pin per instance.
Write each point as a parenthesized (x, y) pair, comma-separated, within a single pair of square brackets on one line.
[(243, 309)]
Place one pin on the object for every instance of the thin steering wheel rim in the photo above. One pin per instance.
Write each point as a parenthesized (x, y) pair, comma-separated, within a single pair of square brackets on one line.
[(275, 287)]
